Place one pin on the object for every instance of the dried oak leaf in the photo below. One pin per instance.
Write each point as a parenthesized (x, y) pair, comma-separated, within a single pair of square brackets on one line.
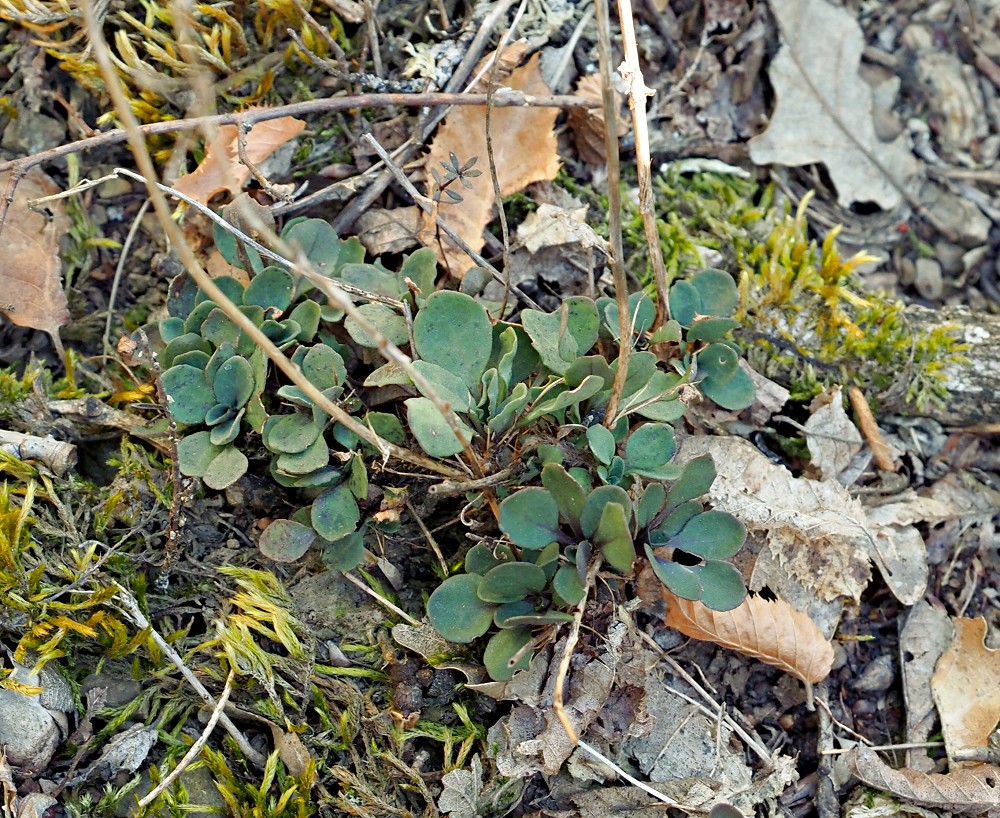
[(969, 790), (220, 172), (31, 289), (824, 110), (965, 689), (524, 147), (771, 631)]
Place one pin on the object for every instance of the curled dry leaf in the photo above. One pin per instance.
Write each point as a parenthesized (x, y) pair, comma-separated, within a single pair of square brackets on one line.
[(587, 124), (969, 790), (771, 631), (223, 171), (31, 289), (965, 688), (524, 146)]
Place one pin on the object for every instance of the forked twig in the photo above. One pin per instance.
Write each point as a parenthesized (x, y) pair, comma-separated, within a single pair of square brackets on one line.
[(195, 748), (128, 605)]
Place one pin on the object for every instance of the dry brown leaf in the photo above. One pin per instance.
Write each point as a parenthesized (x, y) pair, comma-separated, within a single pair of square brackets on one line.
[(31, 292), (923, 639), (771, 631), (524, 146), (968, 790), (587, 124), (218, 173), (965, 688)]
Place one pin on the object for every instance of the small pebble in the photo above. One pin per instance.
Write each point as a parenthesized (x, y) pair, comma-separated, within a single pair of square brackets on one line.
[(864, 709), (877, 677), (907, 272), (928, 279), (950, 257)]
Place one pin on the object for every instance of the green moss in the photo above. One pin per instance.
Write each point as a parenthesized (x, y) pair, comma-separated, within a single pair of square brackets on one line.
[(806, 321), (812, 325)]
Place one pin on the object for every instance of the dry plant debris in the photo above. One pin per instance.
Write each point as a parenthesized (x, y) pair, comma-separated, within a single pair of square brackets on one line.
[(222, 172), (824, 107), (31, 288), (524, 144), (769, 630), (814, 539), (967, 791), (965, 688)]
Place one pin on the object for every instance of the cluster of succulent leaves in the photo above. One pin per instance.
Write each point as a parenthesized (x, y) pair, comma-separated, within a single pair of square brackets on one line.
[(510, 389)]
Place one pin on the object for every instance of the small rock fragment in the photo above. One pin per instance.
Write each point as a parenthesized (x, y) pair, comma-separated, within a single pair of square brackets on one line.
[(950, 257), (28, 732), (928, 279), (877, 677)]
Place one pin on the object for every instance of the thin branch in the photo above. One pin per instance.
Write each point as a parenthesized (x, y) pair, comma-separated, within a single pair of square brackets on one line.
[(614, 210), (508, 98), (381, 599), (574, 635), (637, 94), (127, 603), (195, 748), (631, 779), (491, 90), (120, 270), (430, 539)]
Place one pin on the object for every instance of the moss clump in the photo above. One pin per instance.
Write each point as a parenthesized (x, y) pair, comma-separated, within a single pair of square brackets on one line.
[(243, 46), (807, 323), (814, 327)]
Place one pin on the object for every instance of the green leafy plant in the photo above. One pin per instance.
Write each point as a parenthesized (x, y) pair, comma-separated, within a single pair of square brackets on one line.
[(493, 394), (556, 530)]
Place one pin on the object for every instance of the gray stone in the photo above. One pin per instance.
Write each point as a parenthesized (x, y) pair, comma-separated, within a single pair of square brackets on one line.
[(928, 279), (950, 257), (959, 215), (27, 731)]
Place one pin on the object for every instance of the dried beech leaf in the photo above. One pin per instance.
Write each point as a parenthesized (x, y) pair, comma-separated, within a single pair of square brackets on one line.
[(524, 146), (965, 688), (771, 631), (587, 124), (31, 289), (824, 110), (967, 790), (832, 438), (218, 173)]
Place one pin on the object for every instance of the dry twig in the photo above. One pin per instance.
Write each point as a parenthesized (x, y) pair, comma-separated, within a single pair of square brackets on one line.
[(195, 748)]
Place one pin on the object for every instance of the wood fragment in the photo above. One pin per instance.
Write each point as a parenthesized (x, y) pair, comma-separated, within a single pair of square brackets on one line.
[(869, 428)]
